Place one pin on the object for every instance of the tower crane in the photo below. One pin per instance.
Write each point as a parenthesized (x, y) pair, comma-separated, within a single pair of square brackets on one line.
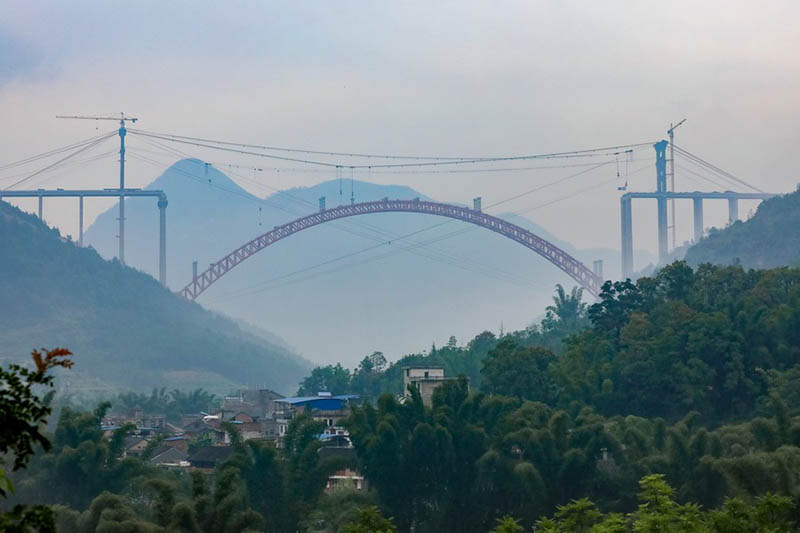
[(122, 132), (671, 133)]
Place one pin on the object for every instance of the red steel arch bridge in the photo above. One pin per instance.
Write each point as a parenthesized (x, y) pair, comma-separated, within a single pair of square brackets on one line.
[(561, 259)]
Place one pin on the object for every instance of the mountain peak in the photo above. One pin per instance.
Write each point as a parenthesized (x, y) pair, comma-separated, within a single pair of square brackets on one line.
[(192, 175), (362, 191)]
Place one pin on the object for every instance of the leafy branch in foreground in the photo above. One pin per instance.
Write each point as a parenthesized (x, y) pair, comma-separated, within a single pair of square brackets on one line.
[(23, 413)]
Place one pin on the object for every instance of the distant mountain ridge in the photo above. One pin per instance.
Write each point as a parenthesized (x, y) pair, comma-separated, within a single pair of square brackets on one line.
[(769, 239), (125, 329), (466, 278)]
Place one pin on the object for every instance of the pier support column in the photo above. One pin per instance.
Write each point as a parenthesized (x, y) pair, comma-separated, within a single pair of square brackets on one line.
[(40, 208), (597, 268), (663, 245), (733, 210), (626, 224), (698, 218), (162, 240), (80, 220)]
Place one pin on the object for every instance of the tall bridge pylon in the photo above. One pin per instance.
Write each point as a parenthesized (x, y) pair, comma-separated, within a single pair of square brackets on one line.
[(587, 278), (661, 195)]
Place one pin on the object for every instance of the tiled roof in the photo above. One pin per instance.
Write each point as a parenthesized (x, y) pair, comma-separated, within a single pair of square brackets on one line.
[(170, 455), (211, 454)]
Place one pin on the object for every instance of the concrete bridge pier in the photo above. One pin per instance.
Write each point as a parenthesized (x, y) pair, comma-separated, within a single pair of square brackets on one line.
[(626, 220), (663, 243), (698, 218), (80, 220), (597, 268), (162, 240), (733, 210)]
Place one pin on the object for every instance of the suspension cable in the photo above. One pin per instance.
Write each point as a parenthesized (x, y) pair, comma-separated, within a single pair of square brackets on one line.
[(715, 168), (439, 256), (54, 151), (52, 165), (465, 159), (577, 153)]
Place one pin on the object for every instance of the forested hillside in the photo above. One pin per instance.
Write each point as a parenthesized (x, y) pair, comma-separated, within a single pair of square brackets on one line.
[(712, 340), (374, 375), (675, 407), (127, 330), (771, 238), (692, 375)]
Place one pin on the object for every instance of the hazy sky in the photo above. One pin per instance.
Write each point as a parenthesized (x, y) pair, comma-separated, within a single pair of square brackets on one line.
[(474, 78)]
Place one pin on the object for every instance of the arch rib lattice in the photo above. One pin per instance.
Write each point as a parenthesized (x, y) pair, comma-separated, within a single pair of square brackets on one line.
[(561, 259)]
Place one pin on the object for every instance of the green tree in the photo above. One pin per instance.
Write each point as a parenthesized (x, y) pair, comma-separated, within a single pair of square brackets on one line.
[(337, 507), (23, 413), (366, 379), (659, 511), (83, 462), (370, 520), (22, 410), (567, 308), (514, 370), (258, 465), (331, 378), (507, 524), (192, 402)]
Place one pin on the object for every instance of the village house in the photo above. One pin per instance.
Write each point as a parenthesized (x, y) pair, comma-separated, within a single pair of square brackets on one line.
[(425, 379), (345, 478), (179, 442), (323, 407), (200, 428), (258, 403), (187, 419), (208, 457), (168, 456), (146, 423), (331, 410), (336, 444), (242, 417), (247, 430), (135, 445)]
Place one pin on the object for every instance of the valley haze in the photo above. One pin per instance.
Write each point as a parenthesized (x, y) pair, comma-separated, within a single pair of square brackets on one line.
[(347, 309), (574, 304)]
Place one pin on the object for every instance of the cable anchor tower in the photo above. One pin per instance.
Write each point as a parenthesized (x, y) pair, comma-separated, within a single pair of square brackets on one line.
[(671, 133), (122, 132)]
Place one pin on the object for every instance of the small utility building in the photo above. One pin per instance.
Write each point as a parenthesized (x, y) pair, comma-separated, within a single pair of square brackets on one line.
[(425, 379)]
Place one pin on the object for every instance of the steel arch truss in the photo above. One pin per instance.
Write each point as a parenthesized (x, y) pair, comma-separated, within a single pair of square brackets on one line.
[(577, 270)]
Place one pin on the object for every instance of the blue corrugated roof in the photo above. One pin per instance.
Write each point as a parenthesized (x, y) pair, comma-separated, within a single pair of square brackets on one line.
[(305, 399), (329, 436)]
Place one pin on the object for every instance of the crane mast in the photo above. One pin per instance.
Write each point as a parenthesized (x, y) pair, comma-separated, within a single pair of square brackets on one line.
[(671, 132), (122, 132)]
